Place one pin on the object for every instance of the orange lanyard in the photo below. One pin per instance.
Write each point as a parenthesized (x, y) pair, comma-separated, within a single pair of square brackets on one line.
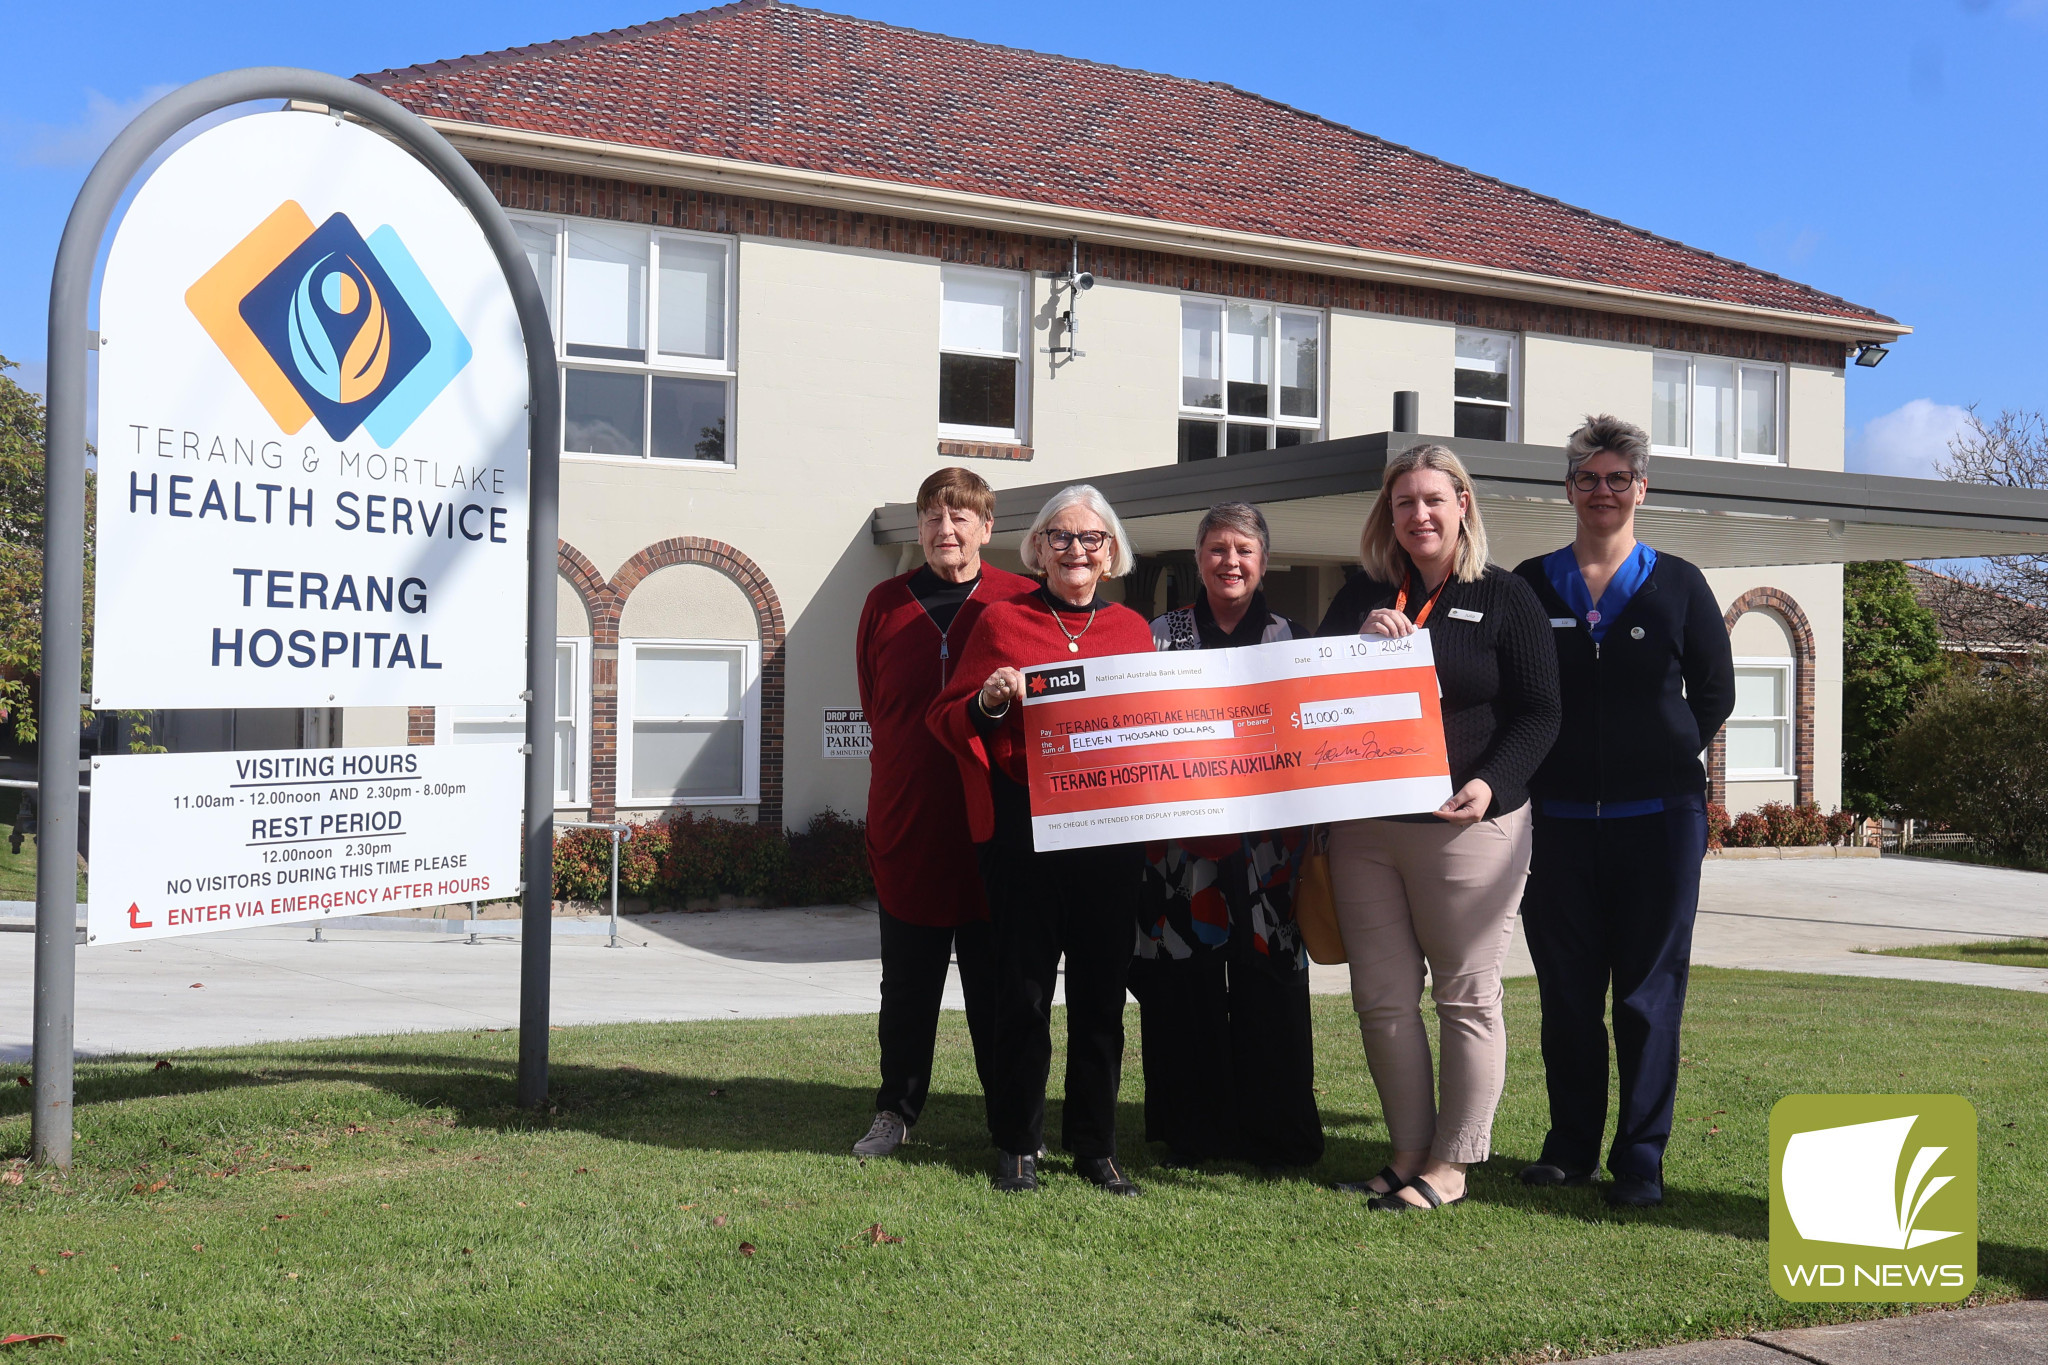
[(1401, 600)]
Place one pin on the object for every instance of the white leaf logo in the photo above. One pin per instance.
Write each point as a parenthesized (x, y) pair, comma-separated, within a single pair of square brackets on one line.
[(1840, 1185)]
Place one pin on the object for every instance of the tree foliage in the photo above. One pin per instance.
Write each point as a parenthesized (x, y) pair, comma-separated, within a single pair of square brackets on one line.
[(1891, 652), (21, 554), (1974, 756)]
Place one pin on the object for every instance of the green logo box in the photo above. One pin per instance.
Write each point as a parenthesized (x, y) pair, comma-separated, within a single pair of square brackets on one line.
[(1873, 1198)]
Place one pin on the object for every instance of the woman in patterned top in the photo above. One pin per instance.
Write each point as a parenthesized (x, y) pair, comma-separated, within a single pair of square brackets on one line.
[(1221, 976)]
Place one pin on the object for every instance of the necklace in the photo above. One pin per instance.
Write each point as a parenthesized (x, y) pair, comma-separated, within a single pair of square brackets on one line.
[(1073, 639)]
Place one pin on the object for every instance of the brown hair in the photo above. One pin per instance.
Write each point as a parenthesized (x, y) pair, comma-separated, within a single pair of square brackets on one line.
[(957, 487), (1378, 548)]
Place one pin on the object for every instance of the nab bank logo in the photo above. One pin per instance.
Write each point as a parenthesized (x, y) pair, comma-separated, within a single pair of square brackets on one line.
[(323, 323), (1873, 1198), (1054, 682)]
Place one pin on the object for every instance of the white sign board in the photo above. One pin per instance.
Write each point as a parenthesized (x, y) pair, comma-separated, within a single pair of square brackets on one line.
[(847, 734), (187, 843), (312, 433)]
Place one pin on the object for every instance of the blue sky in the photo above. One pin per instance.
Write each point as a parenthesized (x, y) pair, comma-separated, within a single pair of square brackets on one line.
[(1885, 151)]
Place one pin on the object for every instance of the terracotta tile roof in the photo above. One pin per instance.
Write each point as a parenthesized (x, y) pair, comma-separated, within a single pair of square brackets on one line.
[(764, 82)]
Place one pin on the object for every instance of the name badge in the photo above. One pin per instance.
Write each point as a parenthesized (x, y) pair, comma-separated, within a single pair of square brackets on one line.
[(1460, 614), (1563, 622)]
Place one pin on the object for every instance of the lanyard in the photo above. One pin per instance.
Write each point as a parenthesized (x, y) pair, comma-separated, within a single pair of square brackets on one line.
[(1401, 600)]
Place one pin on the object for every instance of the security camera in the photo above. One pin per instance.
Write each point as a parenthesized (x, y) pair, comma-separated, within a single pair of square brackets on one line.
[(1084, 280)]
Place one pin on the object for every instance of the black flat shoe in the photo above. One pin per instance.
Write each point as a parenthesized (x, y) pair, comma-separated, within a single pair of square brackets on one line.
[(1386, 1173), (1545, 1174), (1104, 1174), (1394, 1203), (1015, 1174), (1634, 1192)]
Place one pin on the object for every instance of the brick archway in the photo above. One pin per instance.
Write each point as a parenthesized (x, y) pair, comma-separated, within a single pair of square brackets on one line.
[(606, 603), (1781, 604)]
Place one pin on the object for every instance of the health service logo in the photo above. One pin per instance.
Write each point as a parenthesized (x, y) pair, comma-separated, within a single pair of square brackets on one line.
[(324, 323), (1860, 1184)]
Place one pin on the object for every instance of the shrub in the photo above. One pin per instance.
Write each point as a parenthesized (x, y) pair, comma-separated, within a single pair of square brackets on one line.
[(1717, 825), (1794, 826), (640, 860), (1748, 830), (1841, 827), (583, 861), (829, 862), (709, 857), (1974, 756)]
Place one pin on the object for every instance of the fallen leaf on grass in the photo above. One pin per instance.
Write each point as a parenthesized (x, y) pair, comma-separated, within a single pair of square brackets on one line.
[(199, 1246), (355, 1128), (282, 1216), (718, 1094), (197, 986), (306, 1167), (686, 1207), (10, 1177), (1713, 1130), (291, 1274), (162, 1064), (67, 1255), (720, 1221), (878, 1237), (583, 1170), (23, 1080), (746, 1248), (157, 1188), (15, 1339), (522, 1203)]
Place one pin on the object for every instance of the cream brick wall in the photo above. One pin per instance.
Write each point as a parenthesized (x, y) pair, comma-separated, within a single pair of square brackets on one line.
[(1372, 358), (1564, 381)]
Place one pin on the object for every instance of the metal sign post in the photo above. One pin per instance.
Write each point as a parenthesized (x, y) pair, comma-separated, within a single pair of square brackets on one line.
[(64, 542)]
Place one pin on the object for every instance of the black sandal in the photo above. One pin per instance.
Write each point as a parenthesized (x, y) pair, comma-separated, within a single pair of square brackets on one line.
[(1391, 1202), (1386, 1173)]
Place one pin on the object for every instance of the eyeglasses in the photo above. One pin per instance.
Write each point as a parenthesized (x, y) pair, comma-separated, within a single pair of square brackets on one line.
[(1091, 541), (1618, 481)]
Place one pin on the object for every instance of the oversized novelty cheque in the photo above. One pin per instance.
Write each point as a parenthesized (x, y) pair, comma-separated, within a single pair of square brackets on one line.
[(1181, 744)]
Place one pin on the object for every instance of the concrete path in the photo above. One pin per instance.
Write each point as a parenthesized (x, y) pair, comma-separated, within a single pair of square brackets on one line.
[(2003, 1334), (265, 984)]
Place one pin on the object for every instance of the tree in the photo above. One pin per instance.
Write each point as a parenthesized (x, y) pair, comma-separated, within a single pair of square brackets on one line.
[(1974, 756), (2011, 451), (1891, 651), (21, 554)]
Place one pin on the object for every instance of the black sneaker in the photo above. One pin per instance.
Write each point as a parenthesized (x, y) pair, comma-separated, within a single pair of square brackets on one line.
[(1545, 1173), (1015, 1174), (1634, 1192), (1104, 1174)]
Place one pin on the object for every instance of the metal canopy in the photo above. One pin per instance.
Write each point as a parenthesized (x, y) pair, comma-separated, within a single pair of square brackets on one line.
[(1714, 513)]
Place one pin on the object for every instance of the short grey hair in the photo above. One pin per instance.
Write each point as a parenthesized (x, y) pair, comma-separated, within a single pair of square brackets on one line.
[(1609, 433), (1240, 517), (1121, 561)]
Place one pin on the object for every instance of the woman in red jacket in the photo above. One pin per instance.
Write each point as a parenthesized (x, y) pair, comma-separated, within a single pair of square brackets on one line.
[(1077, 902)]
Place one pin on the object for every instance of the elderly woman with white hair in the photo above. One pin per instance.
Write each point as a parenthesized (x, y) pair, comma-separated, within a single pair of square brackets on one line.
[(1221, 976), (1071, 902)]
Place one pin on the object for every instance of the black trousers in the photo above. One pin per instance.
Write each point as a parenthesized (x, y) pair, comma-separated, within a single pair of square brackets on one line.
[(1613, 902), (1076, 902), (1229, 1054), (914, 962)]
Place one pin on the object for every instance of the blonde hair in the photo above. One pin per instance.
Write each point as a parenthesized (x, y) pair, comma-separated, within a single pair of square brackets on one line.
[(1121, 562), (1378, 548)]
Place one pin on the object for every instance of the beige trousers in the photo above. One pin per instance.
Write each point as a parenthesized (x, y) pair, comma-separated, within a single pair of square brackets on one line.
[(1446, 895)]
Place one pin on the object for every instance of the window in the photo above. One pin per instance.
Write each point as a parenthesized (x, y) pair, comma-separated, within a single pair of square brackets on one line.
[(981, 370), (507, 724), (1483, 387), (1760, 730), (690, 712), (1251, 377), (642, 317), (1716, 408)]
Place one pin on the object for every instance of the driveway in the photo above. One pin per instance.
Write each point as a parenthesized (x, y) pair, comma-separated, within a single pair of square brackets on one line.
[(253, 985)]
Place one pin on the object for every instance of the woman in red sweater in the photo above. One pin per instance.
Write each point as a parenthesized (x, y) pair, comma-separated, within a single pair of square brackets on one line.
[(1077, 902)]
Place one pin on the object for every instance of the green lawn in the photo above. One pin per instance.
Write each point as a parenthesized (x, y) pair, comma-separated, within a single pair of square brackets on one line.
[(1999, 952), (379, 1199), (18, 870)]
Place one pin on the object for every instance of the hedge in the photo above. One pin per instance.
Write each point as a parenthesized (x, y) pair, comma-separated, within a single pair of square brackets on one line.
[(1778, 825), (684, 858)]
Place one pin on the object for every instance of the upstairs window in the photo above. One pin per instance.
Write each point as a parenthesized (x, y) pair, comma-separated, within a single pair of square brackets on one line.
[(981, 360), (1716, 408), (1483, 388), (1251, 377), (642, 319)]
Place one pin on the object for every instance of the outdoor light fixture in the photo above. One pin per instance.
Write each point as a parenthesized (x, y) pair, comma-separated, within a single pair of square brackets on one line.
[(1075, 281), (1870, 355)]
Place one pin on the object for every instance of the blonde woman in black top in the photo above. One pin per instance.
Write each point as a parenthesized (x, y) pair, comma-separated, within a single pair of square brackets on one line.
[(1441, 888)]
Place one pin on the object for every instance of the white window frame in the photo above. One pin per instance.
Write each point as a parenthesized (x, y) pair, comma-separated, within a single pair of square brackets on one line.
[(1787, 723), (1222, 418), (1686, 452), (656, 363), (1018, 432), (1514, 403), (447, 718), (750, 713)]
